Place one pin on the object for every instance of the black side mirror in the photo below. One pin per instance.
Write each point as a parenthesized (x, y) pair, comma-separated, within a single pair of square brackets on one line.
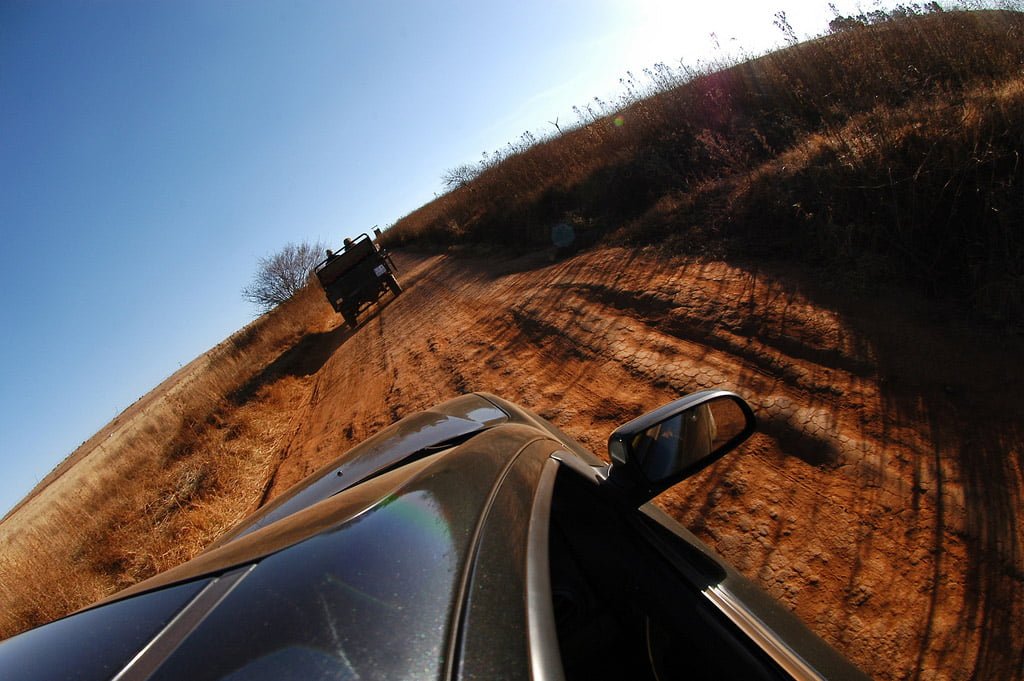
[(659, 449)]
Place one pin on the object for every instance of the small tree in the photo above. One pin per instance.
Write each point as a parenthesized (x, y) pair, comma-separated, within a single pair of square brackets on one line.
[(280, 276), (460, 176)]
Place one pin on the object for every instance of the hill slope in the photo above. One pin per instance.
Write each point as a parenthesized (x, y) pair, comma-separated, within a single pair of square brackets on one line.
[(888, 153)]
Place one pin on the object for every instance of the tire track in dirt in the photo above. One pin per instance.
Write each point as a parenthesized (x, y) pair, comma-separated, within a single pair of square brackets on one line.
[(299, 417), (665, 352), (847, 506)]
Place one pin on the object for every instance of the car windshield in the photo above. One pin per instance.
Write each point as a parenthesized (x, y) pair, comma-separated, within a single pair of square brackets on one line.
[(372, 598), (94, 644)]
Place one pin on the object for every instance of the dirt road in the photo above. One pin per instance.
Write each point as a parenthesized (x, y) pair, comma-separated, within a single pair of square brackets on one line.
[(880, 499)]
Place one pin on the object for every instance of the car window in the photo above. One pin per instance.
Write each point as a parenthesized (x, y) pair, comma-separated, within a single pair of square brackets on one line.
[(609, 584), (94, 644), (371, 599)]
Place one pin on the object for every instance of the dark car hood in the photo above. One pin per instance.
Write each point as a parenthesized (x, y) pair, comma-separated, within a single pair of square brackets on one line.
[(475, 465), (416, 435)]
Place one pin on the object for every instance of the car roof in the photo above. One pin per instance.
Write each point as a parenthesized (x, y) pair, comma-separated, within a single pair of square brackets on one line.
[(495, 444), (464, 511), (413, 436)]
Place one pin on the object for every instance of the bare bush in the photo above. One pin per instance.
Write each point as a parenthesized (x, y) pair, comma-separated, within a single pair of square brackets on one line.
[(280, 276), (456, 177)]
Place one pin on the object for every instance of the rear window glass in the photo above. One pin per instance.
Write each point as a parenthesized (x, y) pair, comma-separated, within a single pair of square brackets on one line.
[(371, 599), (97, 643)]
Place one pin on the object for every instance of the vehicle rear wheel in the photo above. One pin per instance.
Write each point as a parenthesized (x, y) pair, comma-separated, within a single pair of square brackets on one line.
[(393, 284), (351, 318)]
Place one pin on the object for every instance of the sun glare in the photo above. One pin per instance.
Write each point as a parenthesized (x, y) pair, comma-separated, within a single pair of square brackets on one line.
[(655, 31)]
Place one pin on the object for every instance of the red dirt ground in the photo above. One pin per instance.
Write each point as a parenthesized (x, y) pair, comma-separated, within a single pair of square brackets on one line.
[(880, 499)]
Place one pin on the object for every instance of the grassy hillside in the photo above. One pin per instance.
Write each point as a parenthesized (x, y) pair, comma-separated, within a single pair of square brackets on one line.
[(162, 480), (888, 151)]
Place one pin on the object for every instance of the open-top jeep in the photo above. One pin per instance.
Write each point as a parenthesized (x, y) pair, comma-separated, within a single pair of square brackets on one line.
[(355, 277)]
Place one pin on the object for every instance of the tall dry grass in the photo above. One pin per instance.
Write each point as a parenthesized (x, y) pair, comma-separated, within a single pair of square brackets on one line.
[(884, 151), (170, 478)]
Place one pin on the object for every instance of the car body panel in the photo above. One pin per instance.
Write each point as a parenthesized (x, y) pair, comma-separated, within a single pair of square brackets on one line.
[(460, 498), (780, 633), (374, 597), (518, 414), (493, 646), (408, 437), (491, 445), (95, 644), (436, 565)]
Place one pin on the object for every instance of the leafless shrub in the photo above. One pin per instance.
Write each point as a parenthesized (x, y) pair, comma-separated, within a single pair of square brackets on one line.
[(460, 175), (280, 276)]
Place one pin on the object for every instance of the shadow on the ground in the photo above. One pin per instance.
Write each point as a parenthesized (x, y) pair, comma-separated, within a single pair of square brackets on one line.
[(306, 357), (302, 359), (956, 382), (936, 373)]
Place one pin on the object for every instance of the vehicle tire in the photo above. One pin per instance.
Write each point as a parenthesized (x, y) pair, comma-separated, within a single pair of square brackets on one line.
[(393, 284), (351, 318)]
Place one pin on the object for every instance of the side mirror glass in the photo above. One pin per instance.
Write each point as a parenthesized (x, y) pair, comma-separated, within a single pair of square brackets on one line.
[(657, 450)]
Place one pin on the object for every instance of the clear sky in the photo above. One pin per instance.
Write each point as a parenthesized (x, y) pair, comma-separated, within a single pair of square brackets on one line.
[(151, 151)]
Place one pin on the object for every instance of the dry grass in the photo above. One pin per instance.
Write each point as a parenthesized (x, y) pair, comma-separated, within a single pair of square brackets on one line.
[(884, 152), (187, 463)]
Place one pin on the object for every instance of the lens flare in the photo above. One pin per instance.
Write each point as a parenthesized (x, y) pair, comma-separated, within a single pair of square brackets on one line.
[(562, 235)]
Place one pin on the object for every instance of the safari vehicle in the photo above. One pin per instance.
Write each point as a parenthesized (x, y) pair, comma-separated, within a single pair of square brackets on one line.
[(471, 541), (355, 277)]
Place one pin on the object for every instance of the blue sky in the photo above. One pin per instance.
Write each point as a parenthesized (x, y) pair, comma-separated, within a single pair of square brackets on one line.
[(151, 151)]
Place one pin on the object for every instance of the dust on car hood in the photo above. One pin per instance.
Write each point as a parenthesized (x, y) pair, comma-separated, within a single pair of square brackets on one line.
[(416, 434)]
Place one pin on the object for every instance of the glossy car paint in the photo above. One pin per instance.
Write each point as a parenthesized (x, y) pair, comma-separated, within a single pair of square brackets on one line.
[(433, 569), (414, 434), (379, 596)]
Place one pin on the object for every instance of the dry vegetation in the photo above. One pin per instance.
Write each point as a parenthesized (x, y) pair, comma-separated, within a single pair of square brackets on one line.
[(885, 152), (166, 478)]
